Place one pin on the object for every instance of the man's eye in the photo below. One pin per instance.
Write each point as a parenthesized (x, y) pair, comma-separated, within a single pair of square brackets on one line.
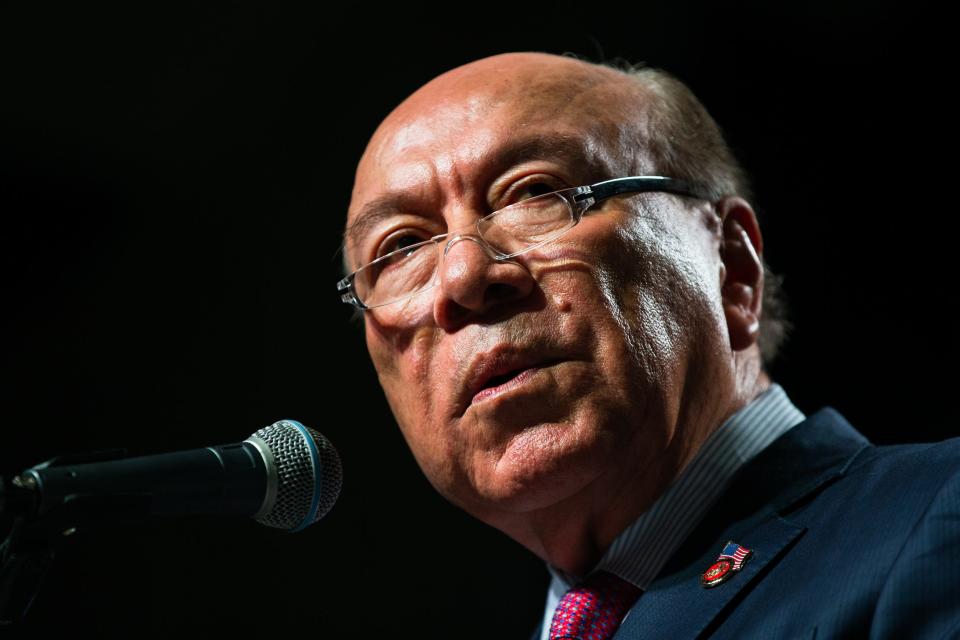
[(538, 189), (400, 241), (530, 189)]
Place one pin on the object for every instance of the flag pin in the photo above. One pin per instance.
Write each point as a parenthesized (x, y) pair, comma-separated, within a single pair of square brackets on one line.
[(729, 562)]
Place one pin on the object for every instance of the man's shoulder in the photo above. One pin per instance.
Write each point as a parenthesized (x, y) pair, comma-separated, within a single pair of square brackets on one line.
[(845, 536), (898, 467), (920, 462), (825, 476), (943, 454), (900, 479), (893, 516)]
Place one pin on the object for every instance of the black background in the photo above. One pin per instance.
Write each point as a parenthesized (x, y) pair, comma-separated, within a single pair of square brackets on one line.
[(173, 182)]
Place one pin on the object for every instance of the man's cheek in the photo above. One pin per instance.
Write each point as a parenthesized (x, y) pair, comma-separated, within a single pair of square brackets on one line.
[(382, 353), (411, 349), (416, 359), (436, 455)]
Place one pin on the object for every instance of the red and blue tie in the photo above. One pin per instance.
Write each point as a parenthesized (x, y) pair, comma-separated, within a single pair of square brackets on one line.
[(594, 608)]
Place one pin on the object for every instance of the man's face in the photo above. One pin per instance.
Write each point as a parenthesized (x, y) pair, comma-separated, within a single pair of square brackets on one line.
[(569, 371)]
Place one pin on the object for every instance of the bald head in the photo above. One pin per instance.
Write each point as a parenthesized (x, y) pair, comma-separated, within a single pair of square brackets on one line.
[(550, 79)]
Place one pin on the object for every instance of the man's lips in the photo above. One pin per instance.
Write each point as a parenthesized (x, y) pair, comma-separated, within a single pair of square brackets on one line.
[(501, 369), (509, 381)]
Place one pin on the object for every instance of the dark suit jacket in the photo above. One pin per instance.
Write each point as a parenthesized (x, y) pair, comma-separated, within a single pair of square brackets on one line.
[(849, 540)]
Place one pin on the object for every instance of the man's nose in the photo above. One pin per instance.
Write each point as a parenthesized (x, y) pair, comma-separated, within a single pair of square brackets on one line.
[(473, 282)]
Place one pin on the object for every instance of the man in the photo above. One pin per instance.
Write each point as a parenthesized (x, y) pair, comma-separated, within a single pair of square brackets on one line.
[(583, 369)]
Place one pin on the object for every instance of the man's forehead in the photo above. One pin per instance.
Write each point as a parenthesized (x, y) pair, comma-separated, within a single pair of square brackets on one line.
[(478, 107), (478, 123), (479, 148), (403, 189)]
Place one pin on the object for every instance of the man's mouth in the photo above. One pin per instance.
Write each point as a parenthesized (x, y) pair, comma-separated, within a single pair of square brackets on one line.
[(496, 381), (502, 383), (500, 370)]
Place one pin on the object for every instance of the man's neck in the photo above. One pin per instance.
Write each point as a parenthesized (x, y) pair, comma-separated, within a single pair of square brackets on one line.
[(574, 534)]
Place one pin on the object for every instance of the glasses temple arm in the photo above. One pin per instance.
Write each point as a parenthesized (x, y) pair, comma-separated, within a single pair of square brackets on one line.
[(610, 188)]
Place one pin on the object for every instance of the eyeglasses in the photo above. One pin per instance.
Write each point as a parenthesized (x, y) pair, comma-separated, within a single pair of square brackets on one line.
[(504, 234)]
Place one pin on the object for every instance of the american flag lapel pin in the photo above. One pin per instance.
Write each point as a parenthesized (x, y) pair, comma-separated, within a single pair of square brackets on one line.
[(728, 563)]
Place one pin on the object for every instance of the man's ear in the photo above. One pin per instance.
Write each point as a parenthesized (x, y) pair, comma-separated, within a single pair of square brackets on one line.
[(741, 271)]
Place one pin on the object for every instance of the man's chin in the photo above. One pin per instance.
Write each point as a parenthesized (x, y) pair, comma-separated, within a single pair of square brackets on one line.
[(539, 469)]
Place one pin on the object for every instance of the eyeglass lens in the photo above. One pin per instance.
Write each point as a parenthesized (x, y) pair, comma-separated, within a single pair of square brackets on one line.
[(512, 230)]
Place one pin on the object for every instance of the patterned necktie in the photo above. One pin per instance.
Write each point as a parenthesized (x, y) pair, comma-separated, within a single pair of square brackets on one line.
[(593, 609)]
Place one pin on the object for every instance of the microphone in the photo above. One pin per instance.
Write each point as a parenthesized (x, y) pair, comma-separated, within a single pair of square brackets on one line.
[(285, 476)]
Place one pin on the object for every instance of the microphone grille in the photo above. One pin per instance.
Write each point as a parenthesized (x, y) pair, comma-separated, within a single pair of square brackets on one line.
[(308, 473)]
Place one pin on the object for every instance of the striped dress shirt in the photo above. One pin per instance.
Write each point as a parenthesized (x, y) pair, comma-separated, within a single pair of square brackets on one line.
[(675, 514)]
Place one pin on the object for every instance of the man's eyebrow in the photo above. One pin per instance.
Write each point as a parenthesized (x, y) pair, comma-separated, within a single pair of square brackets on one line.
[(375, 212), (567, 147), (553, 145)]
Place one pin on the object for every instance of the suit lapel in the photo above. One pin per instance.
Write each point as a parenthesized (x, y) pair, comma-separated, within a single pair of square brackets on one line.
[(679, 603), (754, 513)]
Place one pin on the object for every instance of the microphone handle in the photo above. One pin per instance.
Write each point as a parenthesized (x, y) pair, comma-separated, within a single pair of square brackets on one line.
[(222, 480)]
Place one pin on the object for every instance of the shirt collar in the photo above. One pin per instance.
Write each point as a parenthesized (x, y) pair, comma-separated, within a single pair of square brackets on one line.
[(641, 550)]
